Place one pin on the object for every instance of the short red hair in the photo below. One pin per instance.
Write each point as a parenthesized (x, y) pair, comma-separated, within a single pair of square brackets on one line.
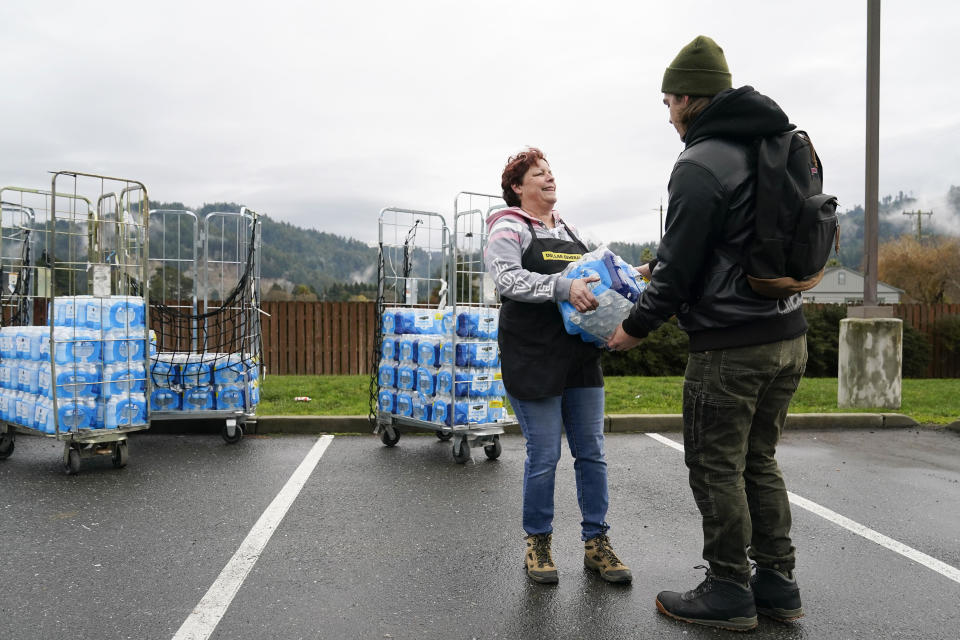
[(516, 168)]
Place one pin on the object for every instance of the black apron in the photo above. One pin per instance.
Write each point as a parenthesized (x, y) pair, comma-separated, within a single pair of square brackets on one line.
[(538, 358)]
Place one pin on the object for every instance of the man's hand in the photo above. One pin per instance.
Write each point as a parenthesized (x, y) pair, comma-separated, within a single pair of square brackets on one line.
[(581, 297), (644, 270), (622, 341)]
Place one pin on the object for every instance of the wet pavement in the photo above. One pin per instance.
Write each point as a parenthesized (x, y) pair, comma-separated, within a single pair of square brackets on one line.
[(404, 543)]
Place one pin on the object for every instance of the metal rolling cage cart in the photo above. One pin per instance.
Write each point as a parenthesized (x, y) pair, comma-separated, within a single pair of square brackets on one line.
[(415, 380), (74, 340), (476, 311), (205, 303)]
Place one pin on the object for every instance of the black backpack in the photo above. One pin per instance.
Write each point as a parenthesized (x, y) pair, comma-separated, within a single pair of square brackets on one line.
[(796, 223)]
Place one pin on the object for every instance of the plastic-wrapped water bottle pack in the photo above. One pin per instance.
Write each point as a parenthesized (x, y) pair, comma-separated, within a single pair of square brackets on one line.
[(97, 347), (618, 288), (423, 375), (204, 382)]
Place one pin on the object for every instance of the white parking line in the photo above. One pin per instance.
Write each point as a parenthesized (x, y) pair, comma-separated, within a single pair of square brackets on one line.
[(908, 552), (207, 614)]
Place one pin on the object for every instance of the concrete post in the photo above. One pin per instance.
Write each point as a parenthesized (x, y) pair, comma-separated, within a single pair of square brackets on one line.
[(871, 361)]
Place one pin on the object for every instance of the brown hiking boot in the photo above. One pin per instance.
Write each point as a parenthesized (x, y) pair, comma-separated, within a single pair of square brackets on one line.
[(538, 559), (599, 556)]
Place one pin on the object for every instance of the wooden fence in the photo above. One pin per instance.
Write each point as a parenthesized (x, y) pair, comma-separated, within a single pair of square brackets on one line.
[(338, 337), (332, 338), (318, 338)]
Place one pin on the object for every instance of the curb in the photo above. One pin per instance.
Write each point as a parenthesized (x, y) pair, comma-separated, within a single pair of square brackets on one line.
[(620, 423)]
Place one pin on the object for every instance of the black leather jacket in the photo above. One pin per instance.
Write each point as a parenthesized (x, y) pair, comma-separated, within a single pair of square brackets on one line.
[(709, 222)]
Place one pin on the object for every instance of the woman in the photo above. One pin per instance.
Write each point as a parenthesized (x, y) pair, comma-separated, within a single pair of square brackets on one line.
[(553, 379)]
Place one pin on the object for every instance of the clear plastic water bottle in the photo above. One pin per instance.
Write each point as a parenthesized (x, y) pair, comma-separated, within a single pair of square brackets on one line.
[(387, 374), (427, 380), (198, 399), (422, 407), (388, 321), (164, 371), (428, 352), (387, 401), (228, 369), (443, 410), (229, 396), (196, 372), (405, 404), (164, 399), (407, 377), (123, 379)]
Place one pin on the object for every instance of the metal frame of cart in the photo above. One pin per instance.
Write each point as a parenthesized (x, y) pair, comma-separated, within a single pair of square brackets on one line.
[(202, 260), (94, 241), (408, 253)]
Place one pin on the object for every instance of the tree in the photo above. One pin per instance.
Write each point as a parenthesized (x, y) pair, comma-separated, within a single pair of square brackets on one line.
[(169, 283), (304, 293), (277, 293), (928, 272)]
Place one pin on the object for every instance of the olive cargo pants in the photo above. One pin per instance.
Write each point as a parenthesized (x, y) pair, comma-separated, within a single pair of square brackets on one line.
[(734, 407)]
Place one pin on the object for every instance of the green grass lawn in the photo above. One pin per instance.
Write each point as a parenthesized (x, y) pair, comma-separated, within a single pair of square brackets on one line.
[(930, 401)]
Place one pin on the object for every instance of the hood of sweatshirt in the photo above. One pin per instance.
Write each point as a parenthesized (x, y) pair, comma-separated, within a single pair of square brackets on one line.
[(515, 212), (741, 114)]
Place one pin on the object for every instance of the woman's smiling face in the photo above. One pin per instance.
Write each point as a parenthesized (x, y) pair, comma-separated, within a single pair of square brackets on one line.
[(538, 187)]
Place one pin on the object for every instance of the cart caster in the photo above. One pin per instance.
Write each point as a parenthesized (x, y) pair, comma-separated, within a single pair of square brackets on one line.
[(444, 437), (71, 461), (120, 454), (461, 451), (232, 433), (389, 436), (493, 450), (6, 448)]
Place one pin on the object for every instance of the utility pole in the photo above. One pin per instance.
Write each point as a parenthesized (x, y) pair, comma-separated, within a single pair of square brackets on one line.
[(919, 215), (661, 218)]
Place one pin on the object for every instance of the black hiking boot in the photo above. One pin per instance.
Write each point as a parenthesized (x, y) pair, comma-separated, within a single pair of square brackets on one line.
[(776, 595), (716, 602)]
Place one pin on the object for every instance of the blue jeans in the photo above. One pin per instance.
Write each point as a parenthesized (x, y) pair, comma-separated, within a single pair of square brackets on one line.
[(580, 413)]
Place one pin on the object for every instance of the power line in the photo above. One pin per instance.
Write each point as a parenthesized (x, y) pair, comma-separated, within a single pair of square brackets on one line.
[(919, 215)]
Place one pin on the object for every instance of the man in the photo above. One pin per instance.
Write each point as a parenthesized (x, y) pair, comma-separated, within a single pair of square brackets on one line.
[(747, 352)]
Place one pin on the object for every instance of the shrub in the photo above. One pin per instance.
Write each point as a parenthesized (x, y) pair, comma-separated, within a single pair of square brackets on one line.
[(945, 333), (823, 339), (662, 353), (917, 353)]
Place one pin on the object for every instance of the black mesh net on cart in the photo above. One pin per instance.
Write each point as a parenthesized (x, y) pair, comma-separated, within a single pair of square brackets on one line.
[(218, 331)]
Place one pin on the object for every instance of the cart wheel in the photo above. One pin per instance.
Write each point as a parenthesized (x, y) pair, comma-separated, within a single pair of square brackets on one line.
[(6, 448), (120, 454), (72, 465), (493, 450), (444, 436), (461, 451), (236, 437), (389, 440)]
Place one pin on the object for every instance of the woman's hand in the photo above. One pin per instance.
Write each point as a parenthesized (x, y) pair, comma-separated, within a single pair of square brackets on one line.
[(581, 297), (644, 270)]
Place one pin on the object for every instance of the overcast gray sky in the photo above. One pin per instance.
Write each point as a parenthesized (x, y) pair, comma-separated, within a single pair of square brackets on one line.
[(321, 113)]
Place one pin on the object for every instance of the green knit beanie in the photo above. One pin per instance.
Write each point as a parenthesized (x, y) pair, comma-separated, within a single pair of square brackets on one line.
[(698, 70)]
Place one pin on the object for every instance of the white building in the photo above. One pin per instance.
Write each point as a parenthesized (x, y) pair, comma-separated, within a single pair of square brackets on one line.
[(841, 285)]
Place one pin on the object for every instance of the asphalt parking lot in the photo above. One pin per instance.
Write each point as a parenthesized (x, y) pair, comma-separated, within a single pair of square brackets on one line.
[(341, 537)]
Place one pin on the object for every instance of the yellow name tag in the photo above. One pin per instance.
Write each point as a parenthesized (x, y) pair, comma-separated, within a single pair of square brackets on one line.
[(565, 257)]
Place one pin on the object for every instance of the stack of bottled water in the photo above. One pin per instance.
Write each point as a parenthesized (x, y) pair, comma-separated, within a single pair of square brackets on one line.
[(618, 288), (96, 368), (422, 375), (204, 381)]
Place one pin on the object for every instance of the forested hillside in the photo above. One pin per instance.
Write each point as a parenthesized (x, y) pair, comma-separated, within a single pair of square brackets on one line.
[(310, 264)]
